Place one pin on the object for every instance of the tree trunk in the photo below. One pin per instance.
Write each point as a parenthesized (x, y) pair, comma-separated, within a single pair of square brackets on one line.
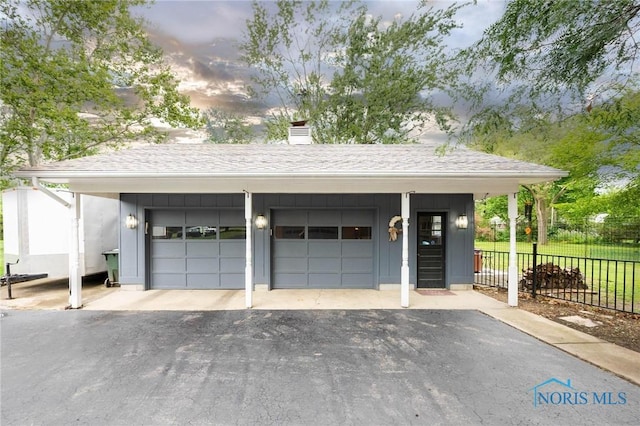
[(542, 215)]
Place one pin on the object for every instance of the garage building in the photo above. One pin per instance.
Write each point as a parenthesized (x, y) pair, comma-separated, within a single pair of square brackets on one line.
[(282, 216)]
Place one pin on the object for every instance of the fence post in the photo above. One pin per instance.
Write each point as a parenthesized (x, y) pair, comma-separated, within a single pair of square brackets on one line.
[(535, 270)]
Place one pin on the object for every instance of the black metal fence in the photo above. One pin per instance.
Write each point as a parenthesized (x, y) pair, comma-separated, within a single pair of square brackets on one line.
[(605, 283)]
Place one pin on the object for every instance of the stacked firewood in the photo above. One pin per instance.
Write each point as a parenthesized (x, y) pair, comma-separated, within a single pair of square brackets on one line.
[(550, 276)]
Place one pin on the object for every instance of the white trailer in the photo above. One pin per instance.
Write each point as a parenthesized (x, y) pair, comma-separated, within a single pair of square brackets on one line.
[(37, 231)]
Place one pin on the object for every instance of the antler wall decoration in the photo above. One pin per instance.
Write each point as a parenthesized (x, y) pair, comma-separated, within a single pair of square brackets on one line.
[(393, 231)]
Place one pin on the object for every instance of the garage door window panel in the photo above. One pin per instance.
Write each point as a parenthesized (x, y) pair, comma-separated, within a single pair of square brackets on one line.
[(323, 232), (233, 233), (201, 232), (167, 233), (356, 232), (290, 232)]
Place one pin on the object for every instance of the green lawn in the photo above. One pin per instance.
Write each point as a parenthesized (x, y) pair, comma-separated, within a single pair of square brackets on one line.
[(612, 280), (573, 250)]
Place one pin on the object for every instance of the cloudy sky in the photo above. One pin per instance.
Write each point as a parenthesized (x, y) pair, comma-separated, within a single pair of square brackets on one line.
[(200, 37), (197, 21)]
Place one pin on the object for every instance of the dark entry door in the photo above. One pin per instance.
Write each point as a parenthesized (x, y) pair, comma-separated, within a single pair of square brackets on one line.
[(431, 250)]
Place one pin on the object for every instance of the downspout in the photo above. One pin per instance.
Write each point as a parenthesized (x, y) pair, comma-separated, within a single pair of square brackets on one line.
[(75, 276)]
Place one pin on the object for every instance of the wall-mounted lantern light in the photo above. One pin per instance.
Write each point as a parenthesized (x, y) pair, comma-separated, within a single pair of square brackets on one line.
[(261, 222), (462, 222), (131, 222)]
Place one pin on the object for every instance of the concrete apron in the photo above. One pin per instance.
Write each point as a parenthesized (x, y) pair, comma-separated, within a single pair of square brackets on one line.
[(54, 294), (48, 293), (204, 300)]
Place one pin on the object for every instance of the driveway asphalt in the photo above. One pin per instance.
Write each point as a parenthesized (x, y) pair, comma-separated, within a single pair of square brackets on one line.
[(295, 367), (54, 294)]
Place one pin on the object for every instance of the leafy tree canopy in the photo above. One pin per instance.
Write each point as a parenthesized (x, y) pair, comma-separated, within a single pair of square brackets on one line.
[(227, 127), (599, 149), (78, 76), (562, 90), (356, 77), (623, 203), (546, 55), (618, 121)]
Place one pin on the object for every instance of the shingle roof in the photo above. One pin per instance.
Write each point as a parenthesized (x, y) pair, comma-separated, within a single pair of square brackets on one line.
[(282, 168), (292, 160)]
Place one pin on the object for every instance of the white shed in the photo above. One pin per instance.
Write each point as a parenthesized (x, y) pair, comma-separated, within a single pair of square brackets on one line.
[(36, 231)]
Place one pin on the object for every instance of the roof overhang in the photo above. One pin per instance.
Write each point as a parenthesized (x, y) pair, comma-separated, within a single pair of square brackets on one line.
[(316, 170), (480, 186)]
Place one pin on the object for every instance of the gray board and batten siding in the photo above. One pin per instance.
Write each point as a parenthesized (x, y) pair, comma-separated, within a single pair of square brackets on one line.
[(329, 221)]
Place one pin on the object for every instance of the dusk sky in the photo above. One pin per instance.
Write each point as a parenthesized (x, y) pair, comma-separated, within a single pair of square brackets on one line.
[(199, 39), (196, 21)]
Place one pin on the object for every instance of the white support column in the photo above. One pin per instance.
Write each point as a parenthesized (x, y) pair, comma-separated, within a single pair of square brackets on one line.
[(513, 259), (248, 270), (75, 275), (404, 269)]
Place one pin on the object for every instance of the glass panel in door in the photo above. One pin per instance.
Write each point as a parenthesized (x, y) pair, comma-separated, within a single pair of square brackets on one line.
[(431, 250)]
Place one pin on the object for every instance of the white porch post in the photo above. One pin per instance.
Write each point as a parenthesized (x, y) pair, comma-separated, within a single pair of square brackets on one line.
[(404, 269), (248, 270), (75, 276), (513, 260)]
